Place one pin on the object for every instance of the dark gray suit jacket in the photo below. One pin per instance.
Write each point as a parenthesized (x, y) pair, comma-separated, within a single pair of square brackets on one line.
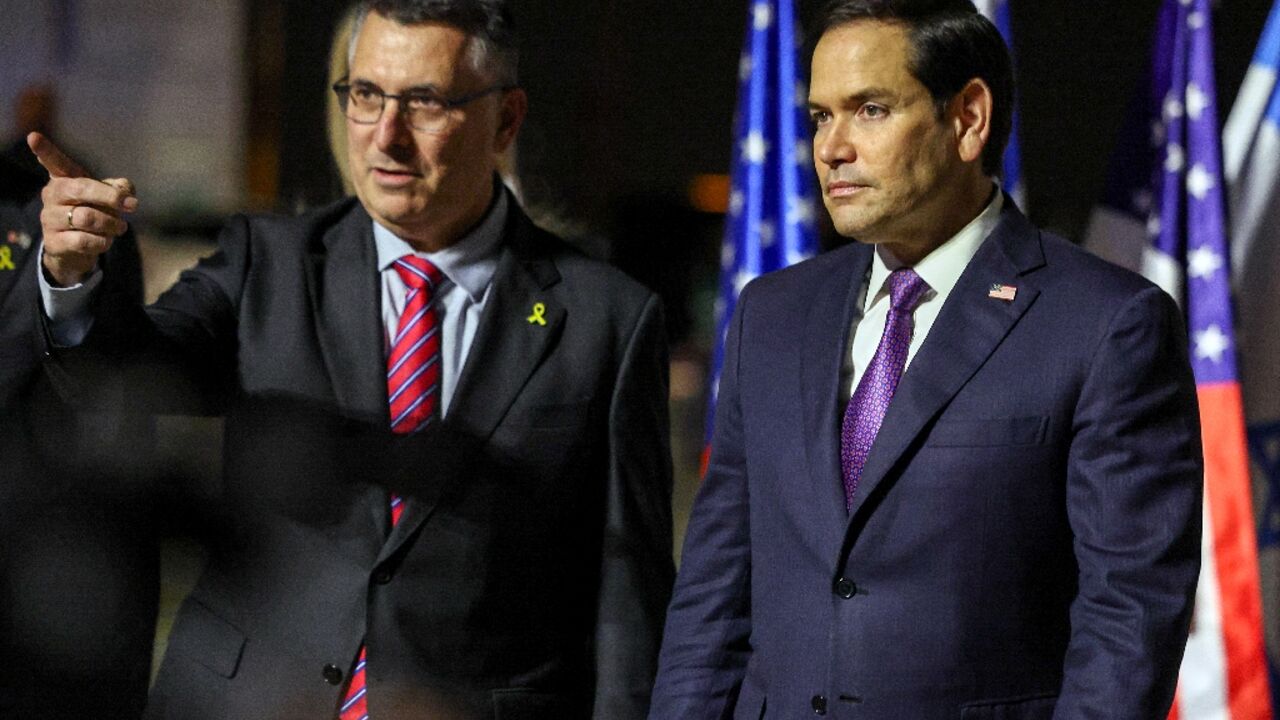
[(530, 571), (1024, 541)]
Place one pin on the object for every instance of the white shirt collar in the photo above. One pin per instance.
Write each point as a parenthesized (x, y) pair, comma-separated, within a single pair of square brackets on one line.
[(470, 263), (942, 268)]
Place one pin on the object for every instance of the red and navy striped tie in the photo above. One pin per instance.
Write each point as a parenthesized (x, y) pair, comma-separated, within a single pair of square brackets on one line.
[(413, 392)]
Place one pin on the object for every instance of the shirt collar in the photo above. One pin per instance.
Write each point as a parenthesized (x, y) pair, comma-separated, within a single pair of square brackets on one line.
[(469, 263), (941, 269)]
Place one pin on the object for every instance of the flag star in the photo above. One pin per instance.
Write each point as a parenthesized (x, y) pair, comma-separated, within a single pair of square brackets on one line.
[(736, 202), (1203, 262), (755, 148), (1142, 200), (767, 232), (1211, 343), (728, 254), (1172, 108), (745, 64), (741, 279), (802, 95), (1175, 158), (1186, 2), (799, 210), (802, 153), (1195, 20), (762, 15), (1158, 133), (795, 255), (1199, 182), (1197, 101), (1153, 226)]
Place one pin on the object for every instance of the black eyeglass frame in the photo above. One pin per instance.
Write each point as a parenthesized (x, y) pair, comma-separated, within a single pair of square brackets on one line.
[(342, 89)]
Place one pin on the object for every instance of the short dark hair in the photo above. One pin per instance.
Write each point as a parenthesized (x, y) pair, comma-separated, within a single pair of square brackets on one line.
[(951, 43), (488, 22)]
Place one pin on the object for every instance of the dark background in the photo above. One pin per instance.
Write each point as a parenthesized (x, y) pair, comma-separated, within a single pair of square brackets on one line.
[(629, 100)]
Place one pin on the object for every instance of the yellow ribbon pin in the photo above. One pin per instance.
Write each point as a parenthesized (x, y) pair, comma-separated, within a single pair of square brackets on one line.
[(6, 259), (537, 317)]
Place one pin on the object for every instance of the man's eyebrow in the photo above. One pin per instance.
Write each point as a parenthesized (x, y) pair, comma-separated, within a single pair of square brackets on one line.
[(856, 99), (424, 89)]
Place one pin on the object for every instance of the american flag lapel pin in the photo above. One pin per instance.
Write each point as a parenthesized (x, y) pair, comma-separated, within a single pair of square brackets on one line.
[(1002, 292)]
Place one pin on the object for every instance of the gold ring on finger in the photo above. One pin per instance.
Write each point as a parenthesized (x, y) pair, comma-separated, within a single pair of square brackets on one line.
[(71, 225)]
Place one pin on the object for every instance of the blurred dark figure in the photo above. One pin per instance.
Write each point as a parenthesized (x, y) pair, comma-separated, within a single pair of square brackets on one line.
[(78, 566), (21, 176)]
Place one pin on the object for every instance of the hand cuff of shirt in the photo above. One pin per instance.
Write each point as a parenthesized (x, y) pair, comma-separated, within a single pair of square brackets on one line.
[(67, 308)]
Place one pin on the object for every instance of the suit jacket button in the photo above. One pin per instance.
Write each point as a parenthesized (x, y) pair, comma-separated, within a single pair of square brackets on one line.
[(332, 674), (846, 588), (382, 576), (819, 703)]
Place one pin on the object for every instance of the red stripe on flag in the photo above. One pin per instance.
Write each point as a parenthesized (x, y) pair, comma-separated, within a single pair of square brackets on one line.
[(1229, 494), (1177, 700)]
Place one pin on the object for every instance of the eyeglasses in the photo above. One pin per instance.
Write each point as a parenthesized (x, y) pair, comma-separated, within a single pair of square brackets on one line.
[(363, 103)]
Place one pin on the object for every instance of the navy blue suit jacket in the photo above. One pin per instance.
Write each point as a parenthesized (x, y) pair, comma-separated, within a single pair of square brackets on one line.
[(1025, 538)]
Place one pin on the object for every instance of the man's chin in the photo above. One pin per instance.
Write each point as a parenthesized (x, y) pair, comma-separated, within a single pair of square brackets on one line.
[(850, 225)]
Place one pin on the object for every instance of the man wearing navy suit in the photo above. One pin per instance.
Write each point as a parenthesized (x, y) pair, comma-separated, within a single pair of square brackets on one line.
[(956, 468), (509, 554)]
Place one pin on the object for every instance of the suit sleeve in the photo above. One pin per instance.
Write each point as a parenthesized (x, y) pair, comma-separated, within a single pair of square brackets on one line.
[(177, 355), (707, 641), (1134, 493), (637, 570)]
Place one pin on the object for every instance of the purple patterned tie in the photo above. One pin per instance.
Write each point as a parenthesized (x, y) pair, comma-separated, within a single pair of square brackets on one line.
[(866, 409)]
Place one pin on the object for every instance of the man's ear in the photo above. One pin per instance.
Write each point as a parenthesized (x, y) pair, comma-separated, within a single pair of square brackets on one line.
[(971, 109), (515, 104)]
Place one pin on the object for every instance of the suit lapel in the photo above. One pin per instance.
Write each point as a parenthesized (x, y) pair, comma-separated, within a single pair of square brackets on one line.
[(508, 346), (968, 329), (831, 315), (344, 292)]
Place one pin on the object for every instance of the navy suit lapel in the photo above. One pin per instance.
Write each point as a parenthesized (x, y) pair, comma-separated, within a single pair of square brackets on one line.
[(344, 292), (968, 329), (508, 346), (831, 315)]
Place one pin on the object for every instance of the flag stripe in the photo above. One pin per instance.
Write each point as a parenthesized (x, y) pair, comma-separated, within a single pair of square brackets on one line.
[(1228, 497)]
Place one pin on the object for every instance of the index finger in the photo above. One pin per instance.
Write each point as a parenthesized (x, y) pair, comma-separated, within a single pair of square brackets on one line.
[(87, 191), (52, 157)]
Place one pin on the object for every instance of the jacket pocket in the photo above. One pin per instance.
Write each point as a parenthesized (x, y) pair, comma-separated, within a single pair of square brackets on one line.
[(1029, 707), (549, 415), (989, 433), (202, 637), (518, 704)]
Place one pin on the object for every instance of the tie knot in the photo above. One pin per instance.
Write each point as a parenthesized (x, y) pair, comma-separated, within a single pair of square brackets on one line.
[(418, 273), (905, 289)]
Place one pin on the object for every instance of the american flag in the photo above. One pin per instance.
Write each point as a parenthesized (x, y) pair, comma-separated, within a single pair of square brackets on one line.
[(770, 223), (1002, 292), (1167, 184)]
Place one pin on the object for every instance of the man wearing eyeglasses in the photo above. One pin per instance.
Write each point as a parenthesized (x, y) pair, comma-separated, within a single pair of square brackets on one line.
[(504, 551)]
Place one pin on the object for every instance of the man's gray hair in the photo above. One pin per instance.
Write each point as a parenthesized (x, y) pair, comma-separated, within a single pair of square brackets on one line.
[(493, 48)]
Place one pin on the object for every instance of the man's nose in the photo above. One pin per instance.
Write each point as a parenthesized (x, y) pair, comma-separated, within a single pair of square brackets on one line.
[(834, 145), (392, 129)]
